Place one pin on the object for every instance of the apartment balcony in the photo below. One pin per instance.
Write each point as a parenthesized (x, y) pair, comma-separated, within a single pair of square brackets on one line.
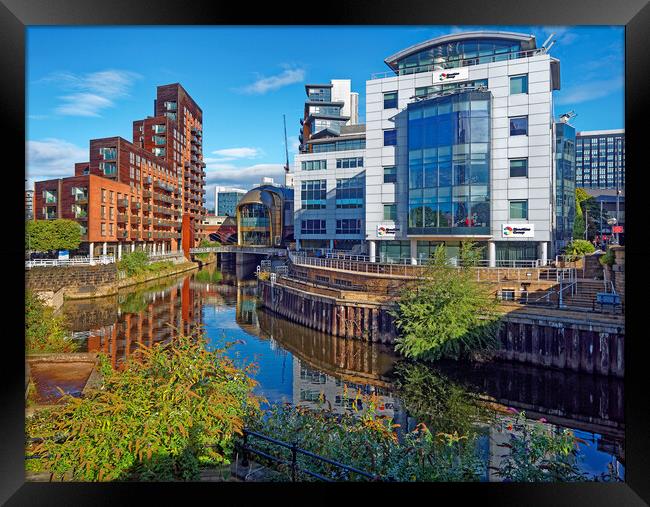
[(148, 234), (136, 220), (50, 203), (121, 234), (147, 181), (194, 149), (135, 234), (122, 203), (136, 205), (121, 219), (81, 218), (146, 221), (146, 208), (81, 199), (146, 194)]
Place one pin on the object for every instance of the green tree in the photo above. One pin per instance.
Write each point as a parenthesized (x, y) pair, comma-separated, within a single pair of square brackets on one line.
[(45, 332), (446, 314), (579, 247), (587, 215), (172, 408), (60, 234)]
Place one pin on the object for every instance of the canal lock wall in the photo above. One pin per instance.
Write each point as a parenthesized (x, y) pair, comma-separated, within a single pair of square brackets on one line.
[(569, 342)]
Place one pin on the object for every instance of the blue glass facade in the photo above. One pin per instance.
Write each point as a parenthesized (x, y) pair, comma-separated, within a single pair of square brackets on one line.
[(449, 164), (565, 183), (227, 203)]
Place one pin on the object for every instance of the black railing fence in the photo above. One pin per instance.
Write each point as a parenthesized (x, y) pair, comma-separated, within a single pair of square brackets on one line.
[(342, 472)]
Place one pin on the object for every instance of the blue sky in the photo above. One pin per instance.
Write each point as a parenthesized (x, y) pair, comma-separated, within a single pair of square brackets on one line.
[(88, 82)]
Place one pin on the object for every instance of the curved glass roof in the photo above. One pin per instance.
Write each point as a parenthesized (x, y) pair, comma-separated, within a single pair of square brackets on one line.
[(460, 49)]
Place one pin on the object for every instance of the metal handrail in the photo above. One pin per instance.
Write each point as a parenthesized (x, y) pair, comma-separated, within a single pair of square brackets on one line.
[(73, 261), (459, 62), (295, 450)]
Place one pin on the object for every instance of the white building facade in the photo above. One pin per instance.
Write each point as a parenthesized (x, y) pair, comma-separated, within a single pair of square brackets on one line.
[(460, 146)]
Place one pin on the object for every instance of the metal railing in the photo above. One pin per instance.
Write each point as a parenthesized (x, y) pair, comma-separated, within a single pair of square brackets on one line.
[(166, 255), (292, 463), (459, 62), (73, 261)]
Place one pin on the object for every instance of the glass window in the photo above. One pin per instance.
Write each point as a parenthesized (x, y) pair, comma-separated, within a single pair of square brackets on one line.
[(313, 194), (349, 192), (519, 84), (348, 226), (313, 227), (390, 137), (390, 212), (390, 174), (519, 126), (314, 165), (519, 168), (390, 100), (518, 210)]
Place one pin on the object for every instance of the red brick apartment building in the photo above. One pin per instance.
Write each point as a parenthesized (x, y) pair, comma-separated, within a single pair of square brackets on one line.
[(147, 194)]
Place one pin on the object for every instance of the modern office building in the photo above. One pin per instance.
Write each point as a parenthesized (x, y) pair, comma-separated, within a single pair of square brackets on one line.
[(600, 159), (29, 204), (226, 199), (265, 216), (461, 145), (147, 194), (329, 174)]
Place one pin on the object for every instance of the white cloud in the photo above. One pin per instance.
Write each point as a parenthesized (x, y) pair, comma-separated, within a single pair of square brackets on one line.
[(590, 90), (89, 94), (51, 158), (265, 84), (244, 152), (243, 177)]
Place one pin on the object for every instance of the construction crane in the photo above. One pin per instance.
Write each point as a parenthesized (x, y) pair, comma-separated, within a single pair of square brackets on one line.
[(286, 148)]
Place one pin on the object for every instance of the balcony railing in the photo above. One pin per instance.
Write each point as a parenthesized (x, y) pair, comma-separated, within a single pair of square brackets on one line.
[(459, 62), (122, 203)]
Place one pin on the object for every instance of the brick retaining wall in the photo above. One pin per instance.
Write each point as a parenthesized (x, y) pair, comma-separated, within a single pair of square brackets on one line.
[(55, 277)]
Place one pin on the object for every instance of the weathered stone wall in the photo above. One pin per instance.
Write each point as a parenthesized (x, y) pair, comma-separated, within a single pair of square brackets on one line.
[(54, 278)]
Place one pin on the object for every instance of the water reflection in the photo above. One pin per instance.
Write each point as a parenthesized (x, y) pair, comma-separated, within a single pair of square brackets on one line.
[(304, 366)]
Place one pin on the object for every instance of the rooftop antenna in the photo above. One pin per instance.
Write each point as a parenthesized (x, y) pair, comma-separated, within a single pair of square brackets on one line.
[(550, 46), (547, 40), (286, 148)]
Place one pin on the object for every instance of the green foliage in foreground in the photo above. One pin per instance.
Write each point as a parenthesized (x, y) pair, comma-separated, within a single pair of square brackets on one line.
[(538, 453), (45, 332), (368, 442), (137, 262), (448, 314), (59, 234), (173, 408), (533, 452)]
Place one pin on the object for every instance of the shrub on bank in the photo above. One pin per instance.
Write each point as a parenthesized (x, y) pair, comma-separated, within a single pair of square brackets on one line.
[(579, 247), (448, 314), (206, 244), (608, 259), (45, 331), (137, 262), (174, 407)]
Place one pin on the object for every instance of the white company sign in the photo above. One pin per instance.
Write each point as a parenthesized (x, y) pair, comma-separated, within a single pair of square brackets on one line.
[(518, 231), (449, 75)]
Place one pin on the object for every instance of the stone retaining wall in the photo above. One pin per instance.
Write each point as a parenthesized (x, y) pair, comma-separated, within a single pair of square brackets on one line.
[(53, 278)]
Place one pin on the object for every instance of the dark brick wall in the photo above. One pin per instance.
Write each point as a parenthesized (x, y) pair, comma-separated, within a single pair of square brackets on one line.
[(53, 278)]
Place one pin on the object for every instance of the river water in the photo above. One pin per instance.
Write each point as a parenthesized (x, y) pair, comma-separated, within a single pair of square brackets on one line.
[(301, 365)]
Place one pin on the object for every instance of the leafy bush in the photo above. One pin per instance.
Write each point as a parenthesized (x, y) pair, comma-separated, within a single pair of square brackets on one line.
[(447, 314), (368, 442), (206, 244), (579, 247), (45, 235), (175, 407), (134, 263), (45, 332), (537, 454), (608, 259)]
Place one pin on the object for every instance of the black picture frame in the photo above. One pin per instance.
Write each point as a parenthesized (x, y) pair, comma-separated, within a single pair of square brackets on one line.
[(15, 15)]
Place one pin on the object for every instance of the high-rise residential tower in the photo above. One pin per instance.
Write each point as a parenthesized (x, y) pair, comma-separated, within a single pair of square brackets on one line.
[(146, 194)]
